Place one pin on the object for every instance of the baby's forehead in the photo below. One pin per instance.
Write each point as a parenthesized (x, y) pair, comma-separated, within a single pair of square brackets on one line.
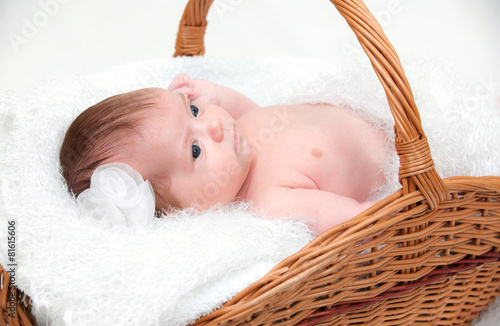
[(168, 100), (152, 103), (165, 114)]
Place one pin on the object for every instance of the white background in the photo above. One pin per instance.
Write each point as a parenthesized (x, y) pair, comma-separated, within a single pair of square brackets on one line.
[(52, 39)]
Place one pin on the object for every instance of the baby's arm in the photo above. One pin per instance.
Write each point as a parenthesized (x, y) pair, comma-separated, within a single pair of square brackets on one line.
[(204, 91), (326, 209), (234, 102)]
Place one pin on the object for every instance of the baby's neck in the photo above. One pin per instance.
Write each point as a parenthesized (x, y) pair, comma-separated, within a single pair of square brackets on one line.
[(243, 192)]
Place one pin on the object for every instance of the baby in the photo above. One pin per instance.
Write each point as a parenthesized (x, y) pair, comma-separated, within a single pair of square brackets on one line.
[(200, 144)]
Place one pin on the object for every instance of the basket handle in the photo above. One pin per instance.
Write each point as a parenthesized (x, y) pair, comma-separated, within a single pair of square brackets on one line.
[(416, 170), (192, 28)]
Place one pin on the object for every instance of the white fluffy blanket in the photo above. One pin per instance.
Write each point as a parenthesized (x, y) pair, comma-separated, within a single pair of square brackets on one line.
[(182, 267)]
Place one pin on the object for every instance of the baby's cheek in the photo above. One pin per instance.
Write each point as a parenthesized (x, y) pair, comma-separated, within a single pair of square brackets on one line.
[(233, 168)]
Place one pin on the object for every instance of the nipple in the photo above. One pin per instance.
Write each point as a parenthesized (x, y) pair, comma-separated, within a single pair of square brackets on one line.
[(316, 153)]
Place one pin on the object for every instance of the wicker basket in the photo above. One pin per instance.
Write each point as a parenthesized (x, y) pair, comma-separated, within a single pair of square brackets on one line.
[(428, 253)]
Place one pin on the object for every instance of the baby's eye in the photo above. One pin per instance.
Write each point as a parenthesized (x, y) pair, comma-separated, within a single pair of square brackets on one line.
[(196, 151), (194, 110)]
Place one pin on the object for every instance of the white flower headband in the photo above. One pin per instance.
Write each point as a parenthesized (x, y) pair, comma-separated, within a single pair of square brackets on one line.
[(118, 195)]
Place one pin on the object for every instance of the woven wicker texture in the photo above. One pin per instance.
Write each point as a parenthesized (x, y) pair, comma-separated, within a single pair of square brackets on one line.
[(428, 253), (15, 305)]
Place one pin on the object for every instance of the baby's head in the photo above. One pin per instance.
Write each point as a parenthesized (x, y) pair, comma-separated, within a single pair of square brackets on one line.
[(108, 132), (192, 153)]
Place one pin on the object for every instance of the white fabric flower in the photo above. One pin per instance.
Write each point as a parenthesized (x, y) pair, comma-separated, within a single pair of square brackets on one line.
[(118, 195)]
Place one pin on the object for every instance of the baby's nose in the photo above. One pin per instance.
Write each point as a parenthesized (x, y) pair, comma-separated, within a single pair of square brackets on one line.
[(215, 129)]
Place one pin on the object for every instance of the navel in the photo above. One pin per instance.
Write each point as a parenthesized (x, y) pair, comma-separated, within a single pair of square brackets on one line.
[(316, 153)]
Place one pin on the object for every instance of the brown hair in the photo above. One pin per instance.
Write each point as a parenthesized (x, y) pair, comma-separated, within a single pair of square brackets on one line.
[(101, 134)]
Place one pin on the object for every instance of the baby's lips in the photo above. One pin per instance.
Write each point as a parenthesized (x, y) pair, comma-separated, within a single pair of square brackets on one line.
[(236, 140)]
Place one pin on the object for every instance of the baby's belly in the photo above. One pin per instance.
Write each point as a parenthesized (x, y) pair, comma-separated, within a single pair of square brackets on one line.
[(328, 164), (338, 169), (320, 147)]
